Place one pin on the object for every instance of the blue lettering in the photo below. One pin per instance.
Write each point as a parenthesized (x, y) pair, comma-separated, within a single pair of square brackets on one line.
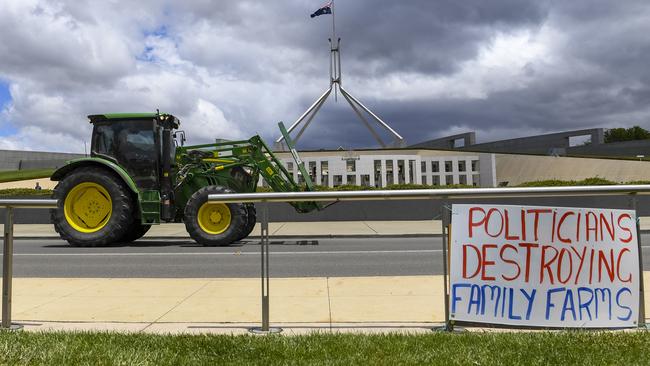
[(618, 302), (603, 292), (585, 304), (494, 291), (454, 297), (531, 299), (568, 305), (549, 304), (474, 299), (511, 296)]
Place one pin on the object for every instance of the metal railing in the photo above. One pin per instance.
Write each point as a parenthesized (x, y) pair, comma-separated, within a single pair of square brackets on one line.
[(8, 251), (264, 198), (415, 194)]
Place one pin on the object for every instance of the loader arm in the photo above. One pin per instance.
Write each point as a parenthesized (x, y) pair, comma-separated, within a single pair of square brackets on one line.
[(253, 155)]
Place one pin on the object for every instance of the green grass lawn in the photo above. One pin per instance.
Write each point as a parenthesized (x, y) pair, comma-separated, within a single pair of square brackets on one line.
[(534, 348), (14, 175)]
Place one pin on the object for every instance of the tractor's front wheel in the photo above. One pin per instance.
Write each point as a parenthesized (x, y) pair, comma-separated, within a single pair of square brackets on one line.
[(94, 208), (214, 224)]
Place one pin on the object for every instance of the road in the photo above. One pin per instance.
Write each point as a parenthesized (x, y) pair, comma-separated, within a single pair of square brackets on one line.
[(289, 258)]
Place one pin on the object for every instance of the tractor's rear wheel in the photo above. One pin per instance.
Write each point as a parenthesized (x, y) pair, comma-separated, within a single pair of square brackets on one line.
[(135, 232), (94, 208), (251, 219), (214, 224)]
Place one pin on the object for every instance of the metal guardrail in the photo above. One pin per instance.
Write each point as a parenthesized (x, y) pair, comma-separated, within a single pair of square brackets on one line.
[(407, 194), (414, 194), (263, 198), (8, 251)]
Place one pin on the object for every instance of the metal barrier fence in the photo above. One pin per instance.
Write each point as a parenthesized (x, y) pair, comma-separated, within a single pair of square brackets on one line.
[(263, 198), (8, 251), (445, 195)]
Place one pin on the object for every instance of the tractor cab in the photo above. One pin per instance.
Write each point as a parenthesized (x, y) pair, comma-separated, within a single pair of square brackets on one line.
[(140, 143)]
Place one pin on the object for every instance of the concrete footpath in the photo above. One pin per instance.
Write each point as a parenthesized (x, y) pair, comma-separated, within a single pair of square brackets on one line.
[(229, 305)]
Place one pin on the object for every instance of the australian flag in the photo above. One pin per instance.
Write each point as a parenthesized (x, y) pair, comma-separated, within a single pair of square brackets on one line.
[(327, 9)]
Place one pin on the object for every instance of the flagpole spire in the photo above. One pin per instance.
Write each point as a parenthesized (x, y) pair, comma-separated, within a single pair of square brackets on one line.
[(365, 115)]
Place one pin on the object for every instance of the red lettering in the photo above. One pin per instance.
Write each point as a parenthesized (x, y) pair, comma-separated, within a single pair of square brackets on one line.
[(561, 257), (523, 225), (582, 261), (589, 227), (487, 222), (618, 267), (472, 223), (508, 236), (528, 246), (509, 261), (609, 266), (578, 226), (486, 262), (547, 265), (478, 256), (537, 212), (627, 230), (608, 225), (559, 227)]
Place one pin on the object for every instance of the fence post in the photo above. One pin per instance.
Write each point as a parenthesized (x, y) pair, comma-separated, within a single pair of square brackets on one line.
[(7, 270), (264, 255), (641, 322), (444, 211)]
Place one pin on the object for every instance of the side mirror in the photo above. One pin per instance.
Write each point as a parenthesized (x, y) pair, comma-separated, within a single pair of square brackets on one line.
[(182, 136)]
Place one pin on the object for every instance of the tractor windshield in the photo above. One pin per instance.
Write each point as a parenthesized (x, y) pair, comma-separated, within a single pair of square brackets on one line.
[(131, 144)]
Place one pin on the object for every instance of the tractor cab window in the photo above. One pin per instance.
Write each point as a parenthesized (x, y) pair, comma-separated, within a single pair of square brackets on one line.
[(132, 144)]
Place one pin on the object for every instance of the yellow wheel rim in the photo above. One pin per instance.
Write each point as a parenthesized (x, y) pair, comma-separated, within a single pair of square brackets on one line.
[(88, 207), (214, 218)]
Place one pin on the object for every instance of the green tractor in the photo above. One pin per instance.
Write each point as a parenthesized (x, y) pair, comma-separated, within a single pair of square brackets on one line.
[(139, 174)]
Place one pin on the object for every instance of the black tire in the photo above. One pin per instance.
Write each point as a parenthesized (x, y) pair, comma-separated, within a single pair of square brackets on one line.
[(135, 232), (232, 231), (251, 219), (121, 215)]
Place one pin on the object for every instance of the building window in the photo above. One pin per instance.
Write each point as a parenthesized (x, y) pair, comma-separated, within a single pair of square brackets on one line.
[(475, 166), (435, 180), (389, 172), (400, 171), (338, 180), (435, 166), (462, 179), (312, 170), (324, 173), (365, 180), (300, 178), (424, 179), (377, 165), (449, 166), (411, 171), (423, 167), (352, 179), (462, 166), (350, 165), (476, 180), (449, 180), (290, 166)]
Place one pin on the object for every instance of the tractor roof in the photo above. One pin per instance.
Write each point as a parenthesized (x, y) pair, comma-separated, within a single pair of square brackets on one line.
[(94, 118)]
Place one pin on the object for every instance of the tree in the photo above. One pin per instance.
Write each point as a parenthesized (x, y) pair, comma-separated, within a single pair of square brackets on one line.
[(626, 134)]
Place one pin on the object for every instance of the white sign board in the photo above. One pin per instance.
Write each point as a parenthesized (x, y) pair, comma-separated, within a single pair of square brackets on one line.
[(544, 266)]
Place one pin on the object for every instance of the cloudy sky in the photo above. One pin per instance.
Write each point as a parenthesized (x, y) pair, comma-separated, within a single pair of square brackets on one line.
[(231, 69)]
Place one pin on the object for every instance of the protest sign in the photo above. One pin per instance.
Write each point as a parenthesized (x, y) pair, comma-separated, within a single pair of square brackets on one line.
[(544, 266)]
